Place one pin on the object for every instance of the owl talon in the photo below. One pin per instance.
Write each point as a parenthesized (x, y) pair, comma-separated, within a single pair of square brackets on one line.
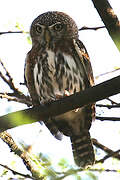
[(76, 110), (66, 93), (58, 96)]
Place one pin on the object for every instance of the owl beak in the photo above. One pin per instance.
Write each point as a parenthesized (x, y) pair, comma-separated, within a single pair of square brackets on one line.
[(47, 36)]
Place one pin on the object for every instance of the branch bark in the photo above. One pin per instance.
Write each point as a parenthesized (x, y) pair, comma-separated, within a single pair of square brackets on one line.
[(30, 165), (90, 95), (110, 19)]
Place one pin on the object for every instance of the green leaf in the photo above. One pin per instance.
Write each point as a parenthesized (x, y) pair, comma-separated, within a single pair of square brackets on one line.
[(63, 163), (77, 177), (92, 176), (5, 171), (29, 40), (19, 26)]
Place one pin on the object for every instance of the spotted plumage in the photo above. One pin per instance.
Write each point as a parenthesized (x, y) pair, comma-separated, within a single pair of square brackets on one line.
[(58, 65)]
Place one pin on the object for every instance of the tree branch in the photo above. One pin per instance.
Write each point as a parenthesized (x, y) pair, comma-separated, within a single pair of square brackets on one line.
[(106, 73), (8, 81), (90, 95), (83, 28), (108, 156), (17, 95), (91, 28), (17, 173), (109, 19), (108, 106), (7, 138), (13, 97), (75, 171), (108, 118), (106, 149), (12, 32)]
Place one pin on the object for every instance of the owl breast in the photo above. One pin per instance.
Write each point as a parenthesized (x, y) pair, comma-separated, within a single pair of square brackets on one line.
[(55, 74)]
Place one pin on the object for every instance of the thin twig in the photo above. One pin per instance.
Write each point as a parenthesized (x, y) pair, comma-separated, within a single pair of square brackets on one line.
[(11, 97), (112, 102), (17, 95), (7, 73), (106, 149), (108, 106), (109, 72), (83, 28), (113, 154), (107, 118), (9, 81), (12, 32), (75, 171), (91, 28), (16, 172)]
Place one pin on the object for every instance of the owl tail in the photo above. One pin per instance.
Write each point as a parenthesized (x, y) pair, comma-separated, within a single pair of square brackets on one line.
[(83, 149)]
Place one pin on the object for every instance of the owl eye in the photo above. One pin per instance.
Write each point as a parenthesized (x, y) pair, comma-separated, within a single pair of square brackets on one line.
[(58, 27), (38, 28)]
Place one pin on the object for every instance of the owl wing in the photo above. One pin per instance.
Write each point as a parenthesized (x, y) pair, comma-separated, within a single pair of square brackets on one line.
[(87, 69), (29, 81), (86, 62), (29, 78)]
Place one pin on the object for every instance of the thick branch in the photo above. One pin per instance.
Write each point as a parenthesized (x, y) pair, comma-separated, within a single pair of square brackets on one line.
[(91, 95), (109, 19)]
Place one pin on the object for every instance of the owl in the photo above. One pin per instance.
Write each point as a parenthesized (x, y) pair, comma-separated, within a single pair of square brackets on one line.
[(58, 65)]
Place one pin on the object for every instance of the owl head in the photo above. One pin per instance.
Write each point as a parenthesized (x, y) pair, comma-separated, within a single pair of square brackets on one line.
[(53, 26)]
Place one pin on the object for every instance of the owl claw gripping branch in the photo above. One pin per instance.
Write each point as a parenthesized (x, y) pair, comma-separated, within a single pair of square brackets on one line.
[(58, 64)]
